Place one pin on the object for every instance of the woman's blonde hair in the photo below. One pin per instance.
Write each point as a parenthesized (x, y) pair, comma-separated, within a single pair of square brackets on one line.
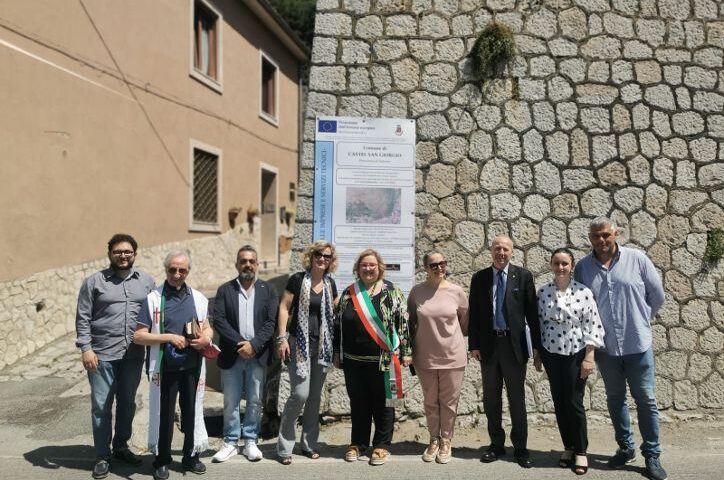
[(319, 246), (380, 263)]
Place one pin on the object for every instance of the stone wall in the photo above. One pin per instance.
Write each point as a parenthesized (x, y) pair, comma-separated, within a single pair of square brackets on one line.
[(611, 108), (38, 309)]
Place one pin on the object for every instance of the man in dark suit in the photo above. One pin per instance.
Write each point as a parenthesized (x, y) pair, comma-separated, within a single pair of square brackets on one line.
[(245, 312), (502, 299)]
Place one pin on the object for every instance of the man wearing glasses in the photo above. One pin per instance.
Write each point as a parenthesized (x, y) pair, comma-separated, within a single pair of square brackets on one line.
[(108, 304), (245, 312)]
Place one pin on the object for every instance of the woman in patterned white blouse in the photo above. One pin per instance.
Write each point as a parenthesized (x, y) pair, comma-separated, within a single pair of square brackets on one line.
[(570, 332)]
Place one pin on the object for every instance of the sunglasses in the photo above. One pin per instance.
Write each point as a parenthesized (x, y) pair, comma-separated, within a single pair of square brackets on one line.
[(436, 266), (326, 256), (173, 270)]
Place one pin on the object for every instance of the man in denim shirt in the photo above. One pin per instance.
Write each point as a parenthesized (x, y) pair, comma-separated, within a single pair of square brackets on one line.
[(628, 292), (105, 321)]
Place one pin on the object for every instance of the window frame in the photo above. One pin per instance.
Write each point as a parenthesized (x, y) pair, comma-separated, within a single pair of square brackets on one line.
[(195, 226), (273, 119), (214, 83)]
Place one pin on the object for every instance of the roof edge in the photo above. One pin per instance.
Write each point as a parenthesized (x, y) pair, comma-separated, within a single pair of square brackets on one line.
[(279, 27)]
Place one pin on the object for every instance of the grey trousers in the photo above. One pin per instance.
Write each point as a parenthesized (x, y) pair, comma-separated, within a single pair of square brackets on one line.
[(306, 393)]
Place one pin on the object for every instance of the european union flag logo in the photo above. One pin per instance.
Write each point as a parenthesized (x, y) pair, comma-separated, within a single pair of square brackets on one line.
[(327, 126)]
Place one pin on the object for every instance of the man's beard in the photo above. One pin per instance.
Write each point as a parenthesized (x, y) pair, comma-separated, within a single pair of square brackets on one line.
[(116, 268), (247, 275)]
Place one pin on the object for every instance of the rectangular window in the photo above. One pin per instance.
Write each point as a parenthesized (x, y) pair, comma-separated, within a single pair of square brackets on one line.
[(206, 44), (269, 72), (205, 189)]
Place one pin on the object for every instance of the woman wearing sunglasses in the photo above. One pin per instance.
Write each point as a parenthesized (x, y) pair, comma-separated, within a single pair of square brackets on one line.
[(439, 321), (305, 342), (373, 345)]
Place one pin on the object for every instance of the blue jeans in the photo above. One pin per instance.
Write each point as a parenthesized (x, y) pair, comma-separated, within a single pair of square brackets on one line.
[(113, 379), (638, 371), (246, 376)]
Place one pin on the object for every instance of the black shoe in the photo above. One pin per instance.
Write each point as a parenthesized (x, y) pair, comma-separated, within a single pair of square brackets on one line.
[(100, 469), (622, 457), (523, 458), (193, 465), (654, 470), (161, 473), (127, 456), (492, 453)]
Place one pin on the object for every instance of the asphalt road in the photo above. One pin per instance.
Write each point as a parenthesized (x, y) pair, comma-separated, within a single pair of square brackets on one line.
[(45, 434)]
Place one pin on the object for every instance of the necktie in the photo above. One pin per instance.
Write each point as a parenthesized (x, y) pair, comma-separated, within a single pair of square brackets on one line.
[(500, 323)]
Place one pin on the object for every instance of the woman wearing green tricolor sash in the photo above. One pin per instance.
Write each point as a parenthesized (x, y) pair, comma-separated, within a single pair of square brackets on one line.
[(372, 344)]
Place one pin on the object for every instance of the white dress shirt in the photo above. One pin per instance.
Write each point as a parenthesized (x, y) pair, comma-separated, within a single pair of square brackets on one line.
[(246, 312)]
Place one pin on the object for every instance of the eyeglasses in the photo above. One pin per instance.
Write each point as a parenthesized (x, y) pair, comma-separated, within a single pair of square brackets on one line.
[(123, 253), (326, 256), (438, 265), (244, 261), (370, 266), (173, 270)]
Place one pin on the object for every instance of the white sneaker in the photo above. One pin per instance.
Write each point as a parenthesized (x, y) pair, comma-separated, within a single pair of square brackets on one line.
[(251, 451), (226, 451)]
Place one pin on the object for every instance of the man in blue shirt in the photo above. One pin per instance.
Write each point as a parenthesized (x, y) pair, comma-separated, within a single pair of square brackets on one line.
[(108, 303), (628, 292)]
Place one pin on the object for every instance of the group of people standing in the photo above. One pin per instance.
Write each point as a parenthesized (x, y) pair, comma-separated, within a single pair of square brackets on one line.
[(596, 314)]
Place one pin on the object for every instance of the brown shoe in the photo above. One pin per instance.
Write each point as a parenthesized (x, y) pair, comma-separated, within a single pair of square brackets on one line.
[(444, 454), (352, 454), (429, 454), (379, 456)]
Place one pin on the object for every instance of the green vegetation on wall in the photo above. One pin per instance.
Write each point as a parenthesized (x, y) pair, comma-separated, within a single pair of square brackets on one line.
[(493, 49)]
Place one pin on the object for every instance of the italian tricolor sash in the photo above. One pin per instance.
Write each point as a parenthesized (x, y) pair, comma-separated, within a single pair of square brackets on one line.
[(389, 342)]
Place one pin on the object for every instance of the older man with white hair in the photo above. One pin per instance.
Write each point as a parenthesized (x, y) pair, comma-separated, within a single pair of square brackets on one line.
[(173, 322)]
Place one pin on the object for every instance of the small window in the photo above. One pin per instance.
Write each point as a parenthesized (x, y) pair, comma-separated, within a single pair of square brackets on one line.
[(205, 44), (268, 88), (205, 189)]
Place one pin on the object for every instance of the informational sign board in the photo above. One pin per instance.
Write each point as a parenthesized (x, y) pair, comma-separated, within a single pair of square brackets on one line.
[(364, 193)]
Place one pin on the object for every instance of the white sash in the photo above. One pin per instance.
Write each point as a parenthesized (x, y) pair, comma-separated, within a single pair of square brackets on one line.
[(201, 437)]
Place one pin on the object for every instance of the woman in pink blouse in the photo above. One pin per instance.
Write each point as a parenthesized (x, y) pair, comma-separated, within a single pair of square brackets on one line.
[(570, 331), (438, 313)]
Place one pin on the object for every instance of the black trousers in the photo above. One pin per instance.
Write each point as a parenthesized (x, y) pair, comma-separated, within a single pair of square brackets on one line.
[(567, 391), (504, 367), (366, 389), (182, 384)]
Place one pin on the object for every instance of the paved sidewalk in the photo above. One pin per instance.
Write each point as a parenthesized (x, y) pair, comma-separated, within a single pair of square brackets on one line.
[(45, 433)]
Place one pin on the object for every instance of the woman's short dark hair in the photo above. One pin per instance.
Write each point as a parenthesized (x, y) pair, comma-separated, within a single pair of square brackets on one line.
[(563, 250)]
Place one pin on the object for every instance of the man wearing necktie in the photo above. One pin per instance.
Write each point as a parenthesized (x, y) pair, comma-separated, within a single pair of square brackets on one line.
[(502, 300)]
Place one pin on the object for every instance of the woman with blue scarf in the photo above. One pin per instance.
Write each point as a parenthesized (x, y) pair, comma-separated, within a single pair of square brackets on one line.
[(305, 342)]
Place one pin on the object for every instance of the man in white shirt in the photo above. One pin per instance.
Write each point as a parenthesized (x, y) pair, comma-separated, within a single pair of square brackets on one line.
[(245, 311)]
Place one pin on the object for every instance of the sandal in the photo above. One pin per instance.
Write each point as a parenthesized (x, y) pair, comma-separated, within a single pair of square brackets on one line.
[(379, 456), (313, 454), (566, 459), (352, 454), (285, 460), (431, 451), (578, 468)]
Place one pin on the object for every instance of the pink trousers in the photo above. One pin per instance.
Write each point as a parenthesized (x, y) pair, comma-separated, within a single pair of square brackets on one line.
[(441, 392)]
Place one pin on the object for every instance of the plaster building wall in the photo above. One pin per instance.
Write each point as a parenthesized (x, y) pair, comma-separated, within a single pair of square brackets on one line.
[(101, 108), (611, 107)]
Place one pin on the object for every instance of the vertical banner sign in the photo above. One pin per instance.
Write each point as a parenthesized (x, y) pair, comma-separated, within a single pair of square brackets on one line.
[(364, 192)]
